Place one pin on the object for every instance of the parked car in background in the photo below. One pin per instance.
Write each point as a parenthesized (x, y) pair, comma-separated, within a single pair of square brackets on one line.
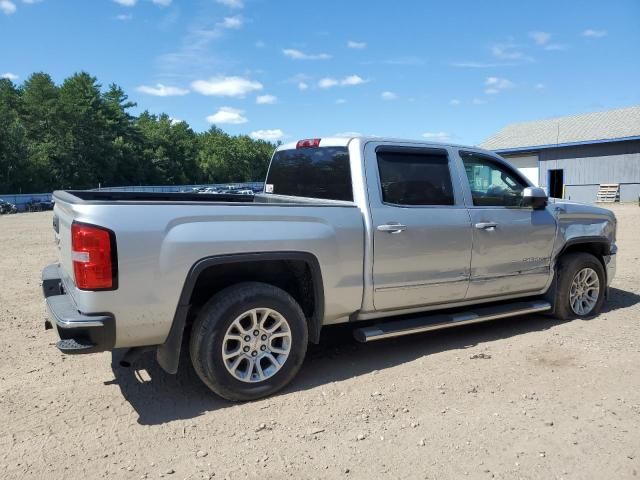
[(246, 191), (394, 237), (39, 205), (6, 207)]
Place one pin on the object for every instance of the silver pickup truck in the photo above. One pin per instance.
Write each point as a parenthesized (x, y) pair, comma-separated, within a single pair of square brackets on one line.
[(394, 236)]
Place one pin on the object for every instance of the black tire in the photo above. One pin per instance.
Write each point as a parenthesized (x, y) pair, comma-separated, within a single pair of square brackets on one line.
[(214, 320), (568, 266)]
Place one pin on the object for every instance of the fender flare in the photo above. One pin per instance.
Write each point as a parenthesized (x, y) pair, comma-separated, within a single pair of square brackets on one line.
[(582, 240), (168, 353)]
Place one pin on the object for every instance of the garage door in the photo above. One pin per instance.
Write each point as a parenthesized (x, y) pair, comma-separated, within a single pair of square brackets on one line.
[(528, 166)]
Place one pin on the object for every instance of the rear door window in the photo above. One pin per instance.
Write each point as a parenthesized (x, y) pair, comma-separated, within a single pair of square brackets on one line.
[(311, 172), (415, 178)]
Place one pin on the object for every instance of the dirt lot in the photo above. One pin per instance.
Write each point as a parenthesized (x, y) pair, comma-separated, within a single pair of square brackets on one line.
[(552, 400)]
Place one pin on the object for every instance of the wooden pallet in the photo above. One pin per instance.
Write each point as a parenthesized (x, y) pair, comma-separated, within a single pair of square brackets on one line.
[(608, 193)]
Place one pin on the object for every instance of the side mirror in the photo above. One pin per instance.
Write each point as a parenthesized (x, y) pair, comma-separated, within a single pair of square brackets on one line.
[(534, 197)]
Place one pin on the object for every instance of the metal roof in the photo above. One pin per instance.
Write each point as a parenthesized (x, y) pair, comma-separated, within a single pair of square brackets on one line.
[(597, 127)]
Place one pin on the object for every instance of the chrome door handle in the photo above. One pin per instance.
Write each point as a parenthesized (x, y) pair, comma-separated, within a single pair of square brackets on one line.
[(486, 226), (392, 228)]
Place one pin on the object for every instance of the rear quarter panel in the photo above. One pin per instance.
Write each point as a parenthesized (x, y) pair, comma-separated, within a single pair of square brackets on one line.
[(159, 243)]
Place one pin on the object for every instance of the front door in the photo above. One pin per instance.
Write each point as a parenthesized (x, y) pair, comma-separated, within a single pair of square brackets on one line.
[(512, 245), (421, 228)]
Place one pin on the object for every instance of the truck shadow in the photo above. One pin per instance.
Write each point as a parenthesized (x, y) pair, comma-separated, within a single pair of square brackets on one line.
[(158, 397)]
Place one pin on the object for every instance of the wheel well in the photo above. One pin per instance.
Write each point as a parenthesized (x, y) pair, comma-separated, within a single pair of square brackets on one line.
[(295, 277), (597, 249)]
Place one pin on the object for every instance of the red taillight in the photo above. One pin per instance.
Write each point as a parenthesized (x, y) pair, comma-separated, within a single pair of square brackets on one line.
[(308, 143), (93, 257)]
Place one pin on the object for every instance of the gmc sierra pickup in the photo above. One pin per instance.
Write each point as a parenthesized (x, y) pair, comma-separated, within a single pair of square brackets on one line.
[(395, 236)]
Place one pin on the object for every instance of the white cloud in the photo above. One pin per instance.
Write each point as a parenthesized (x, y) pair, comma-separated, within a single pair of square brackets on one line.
[(160, 90), (478, 101), (327, 82), (356, 45), (268, 135), (499, 82), (11, 76), (541, 38), (231, 3), (232, 23), (266, 99), (594, 33), (352, 80), (539, 86), (124, 17), (7, 7), (437, 136), (509, 51), (175, 121), (349, 81), (300, 55), (496, 85), (340, 101), (302, 86), (162, 3), (347, 134), (455, 101), (228, 115), (226, 86), (31, 2), (388, 95), (126, 3)]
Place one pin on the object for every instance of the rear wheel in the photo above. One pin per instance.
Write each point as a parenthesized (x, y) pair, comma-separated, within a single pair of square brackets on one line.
[(580, 286), (249, 341)]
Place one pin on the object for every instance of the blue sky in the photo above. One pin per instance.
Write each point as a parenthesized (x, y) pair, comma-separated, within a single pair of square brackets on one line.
[(284, 69)]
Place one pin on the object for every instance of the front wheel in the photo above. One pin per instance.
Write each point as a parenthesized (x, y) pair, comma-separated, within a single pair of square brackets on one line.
[(580, 286), (249, 341)]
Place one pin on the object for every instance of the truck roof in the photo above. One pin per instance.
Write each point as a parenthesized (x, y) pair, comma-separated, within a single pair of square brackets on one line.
[(344, 141)]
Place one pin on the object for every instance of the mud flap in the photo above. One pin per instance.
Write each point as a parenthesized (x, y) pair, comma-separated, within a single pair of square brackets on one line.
[(168, 354)]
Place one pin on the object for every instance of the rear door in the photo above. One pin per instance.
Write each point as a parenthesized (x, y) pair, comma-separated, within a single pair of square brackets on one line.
[(420, 226), (512, 244)]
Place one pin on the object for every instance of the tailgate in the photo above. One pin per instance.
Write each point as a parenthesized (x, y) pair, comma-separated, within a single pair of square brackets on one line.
[(63, 216)]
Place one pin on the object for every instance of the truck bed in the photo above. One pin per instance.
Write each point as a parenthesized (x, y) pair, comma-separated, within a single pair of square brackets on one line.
[(109, 196)]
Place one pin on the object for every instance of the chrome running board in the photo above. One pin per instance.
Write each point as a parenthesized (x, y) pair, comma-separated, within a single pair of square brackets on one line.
[(397, 328)]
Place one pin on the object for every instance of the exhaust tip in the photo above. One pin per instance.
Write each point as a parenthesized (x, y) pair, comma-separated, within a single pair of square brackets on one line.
[(132, 355), (359, 335)]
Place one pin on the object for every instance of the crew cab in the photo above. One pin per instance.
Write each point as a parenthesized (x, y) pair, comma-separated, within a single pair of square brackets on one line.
[(392, 236)]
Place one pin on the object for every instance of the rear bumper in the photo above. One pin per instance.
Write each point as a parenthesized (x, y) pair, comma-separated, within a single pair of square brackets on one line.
[(79, 332)]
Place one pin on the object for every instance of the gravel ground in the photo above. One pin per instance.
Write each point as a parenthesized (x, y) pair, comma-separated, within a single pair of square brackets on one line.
[(547, 399)]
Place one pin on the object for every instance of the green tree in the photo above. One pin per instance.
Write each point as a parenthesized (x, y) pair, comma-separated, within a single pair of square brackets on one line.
[(82, 129), (13, 151), (224, 158), (169, 149), (125, 149), (77, 136), (40, 118)]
